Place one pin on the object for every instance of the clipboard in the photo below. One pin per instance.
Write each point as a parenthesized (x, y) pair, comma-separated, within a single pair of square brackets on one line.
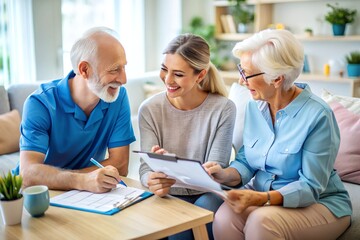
[(107, 203), (188, 173)]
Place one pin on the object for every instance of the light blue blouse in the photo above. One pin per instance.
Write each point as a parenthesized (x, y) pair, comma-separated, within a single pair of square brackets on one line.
[(295, 155)]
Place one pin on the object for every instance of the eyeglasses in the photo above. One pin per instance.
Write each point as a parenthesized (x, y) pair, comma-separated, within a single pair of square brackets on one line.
[(243, 76)]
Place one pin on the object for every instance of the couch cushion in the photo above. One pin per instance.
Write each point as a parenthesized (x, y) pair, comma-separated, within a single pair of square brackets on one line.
[(8, 162), (347, 113), (347, 161), (18, 93), (240, 96), (354, 231), (352, 104), (10, 133), (4, 101)]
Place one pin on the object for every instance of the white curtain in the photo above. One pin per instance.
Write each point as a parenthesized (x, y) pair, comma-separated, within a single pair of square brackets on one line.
[(4, 73), (21, 37)]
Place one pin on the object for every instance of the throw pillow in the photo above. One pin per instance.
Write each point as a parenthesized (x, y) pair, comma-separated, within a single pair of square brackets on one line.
[(10, 133), (4, 101), (240, 95), (352, 104), (347, 161)]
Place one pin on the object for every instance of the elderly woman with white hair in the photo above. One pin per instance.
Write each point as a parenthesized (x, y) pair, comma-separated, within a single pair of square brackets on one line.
[(287, 187)]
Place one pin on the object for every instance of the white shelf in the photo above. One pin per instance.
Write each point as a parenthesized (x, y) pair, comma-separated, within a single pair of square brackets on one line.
[(275, 1), (305, 76), (329, 79), (253, 2), (240, 37), (349, 38), (336, 84), (264, 16)]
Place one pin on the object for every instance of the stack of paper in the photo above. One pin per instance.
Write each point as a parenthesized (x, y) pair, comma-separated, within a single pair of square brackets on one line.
[(104, 203)]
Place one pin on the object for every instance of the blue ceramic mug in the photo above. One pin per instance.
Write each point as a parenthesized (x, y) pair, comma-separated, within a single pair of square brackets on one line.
[(36, 200)]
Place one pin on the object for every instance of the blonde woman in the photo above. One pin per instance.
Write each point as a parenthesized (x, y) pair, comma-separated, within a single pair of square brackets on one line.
[(193, 118)]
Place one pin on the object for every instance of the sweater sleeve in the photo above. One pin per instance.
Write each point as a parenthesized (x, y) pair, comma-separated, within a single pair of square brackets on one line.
[(222, 143), (147, 140)]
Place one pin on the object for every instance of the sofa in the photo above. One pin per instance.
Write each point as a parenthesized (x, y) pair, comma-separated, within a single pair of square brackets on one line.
[(139, 88)]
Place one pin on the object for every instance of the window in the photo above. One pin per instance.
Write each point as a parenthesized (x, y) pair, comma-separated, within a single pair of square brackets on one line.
[(126, 17), (4, 48), (17, 58)]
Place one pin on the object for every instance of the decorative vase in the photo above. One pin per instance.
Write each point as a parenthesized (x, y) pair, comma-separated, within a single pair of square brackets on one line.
[(243, 28), (353, 70), (339, 29), (11, 211)]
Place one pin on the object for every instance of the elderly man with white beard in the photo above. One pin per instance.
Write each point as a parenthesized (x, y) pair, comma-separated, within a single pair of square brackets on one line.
[(68, 121)]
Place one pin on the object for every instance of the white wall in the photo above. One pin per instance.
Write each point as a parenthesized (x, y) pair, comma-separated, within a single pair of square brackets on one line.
[(161, 25), (47, 39), (300, 15), (165, 19), (202, 8)]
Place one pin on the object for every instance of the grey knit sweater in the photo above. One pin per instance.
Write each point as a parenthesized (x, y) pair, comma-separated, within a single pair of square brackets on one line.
[(203, 134)]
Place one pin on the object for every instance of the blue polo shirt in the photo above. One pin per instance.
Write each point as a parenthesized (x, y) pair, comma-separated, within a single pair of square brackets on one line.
[(54, 125)]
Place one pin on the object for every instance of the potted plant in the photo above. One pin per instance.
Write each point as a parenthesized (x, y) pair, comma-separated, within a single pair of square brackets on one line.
[(11, 199), (198, 27), (308, 32), (339, 17), (353, 64), (242, 15)]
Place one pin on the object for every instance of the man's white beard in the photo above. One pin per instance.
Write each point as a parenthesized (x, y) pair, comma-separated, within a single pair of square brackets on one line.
[(101, 91)]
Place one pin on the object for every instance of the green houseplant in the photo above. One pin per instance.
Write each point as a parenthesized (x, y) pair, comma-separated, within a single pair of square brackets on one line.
[(339, 17), (242, 15), (11, 201), (308, 32), (198, 27), (10, 187), (353, 64)]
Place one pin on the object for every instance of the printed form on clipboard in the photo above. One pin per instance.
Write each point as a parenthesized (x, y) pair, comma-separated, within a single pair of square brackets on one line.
[(107, 203), (187, 173)]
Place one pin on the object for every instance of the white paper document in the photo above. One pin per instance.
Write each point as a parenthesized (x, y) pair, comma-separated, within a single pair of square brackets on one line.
[(98, 202), (187, 173)]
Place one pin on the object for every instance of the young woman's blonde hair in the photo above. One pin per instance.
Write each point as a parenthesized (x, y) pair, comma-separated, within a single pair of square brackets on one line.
[(196, 52)]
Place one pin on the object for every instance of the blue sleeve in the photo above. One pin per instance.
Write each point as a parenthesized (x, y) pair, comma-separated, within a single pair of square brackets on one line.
[(242, 166), (35, 126)]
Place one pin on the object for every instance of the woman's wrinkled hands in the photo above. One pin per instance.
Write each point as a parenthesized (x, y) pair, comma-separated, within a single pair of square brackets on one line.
[(239, 200), (159, 183)]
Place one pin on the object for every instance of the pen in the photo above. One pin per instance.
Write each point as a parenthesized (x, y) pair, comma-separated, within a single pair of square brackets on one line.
[(96, 163)]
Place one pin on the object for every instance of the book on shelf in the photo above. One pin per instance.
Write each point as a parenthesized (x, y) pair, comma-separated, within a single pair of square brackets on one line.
[(224, 24), (231, 23), (227, 23)]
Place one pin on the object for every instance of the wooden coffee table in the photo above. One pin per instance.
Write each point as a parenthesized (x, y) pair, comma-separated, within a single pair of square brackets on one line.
[(152, 218)]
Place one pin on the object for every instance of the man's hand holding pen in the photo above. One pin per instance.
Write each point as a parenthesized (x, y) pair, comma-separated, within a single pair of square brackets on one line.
[(105, 178)]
